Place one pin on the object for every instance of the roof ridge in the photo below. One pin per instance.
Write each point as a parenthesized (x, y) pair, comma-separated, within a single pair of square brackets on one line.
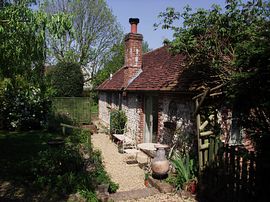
[(155, 49)]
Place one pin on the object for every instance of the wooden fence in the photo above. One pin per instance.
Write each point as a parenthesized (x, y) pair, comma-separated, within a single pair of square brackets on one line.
[(235, 175)]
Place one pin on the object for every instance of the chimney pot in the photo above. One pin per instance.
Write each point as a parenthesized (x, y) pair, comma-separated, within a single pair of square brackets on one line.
[(134, 22)]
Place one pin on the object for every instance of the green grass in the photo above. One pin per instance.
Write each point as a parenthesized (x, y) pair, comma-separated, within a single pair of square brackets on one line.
[(94, 108)]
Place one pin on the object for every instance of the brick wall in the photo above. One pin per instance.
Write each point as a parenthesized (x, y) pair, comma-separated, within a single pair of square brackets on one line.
[(133, 56), (133, 50)]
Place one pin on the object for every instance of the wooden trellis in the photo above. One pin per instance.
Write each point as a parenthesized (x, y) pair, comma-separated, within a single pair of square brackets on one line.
[(207, 146)]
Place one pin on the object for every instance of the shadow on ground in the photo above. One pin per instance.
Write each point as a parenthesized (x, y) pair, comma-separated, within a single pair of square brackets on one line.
[(18, 152)]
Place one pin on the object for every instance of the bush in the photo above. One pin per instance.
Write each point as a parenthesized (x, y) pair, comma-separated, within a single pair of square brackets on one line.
[(63, 170), (23, 105), (66, 79), (118, 121)]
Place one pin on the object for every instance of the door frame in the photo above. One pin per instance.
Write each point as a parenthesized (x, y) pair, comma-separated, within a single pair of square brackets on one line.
[(150, 118)]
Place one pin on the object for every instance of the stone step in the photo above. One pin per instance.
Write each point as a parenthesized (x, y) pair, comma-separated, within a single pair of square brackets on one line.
[(133, 194)]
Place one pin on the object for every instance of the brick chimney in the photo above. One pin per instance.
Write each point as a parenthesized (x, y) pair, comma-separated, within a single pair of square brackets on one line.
[(133, 52)]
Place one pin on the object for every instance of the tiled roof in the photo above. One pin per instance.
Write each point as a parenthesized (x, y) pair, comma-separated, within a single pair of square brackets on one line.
[(161, 71), (114, 83)]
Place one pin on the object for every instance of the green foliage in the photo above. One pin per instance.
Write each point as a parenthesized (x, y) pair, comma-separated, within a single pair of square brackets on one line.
[(24, 106), (21, 26), (113, 187), (24, 94), (145, 47), (185, 170), (67, 79), (118, 121), (52, 170), (89, 195), (62, 169), (146, 175), (233, 43), (55, 119)]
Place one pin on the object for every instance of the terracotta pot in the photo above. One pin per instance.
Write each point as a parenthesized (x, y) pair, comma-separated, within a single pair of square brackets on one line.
[(160, 165), (146, 183), (191, 187)]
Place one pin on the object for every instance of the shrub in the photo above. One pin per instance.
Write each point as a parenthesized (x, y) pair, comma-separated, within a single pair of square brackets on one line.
[(66, 79), (118, 121), (23, 105), (63, 170)]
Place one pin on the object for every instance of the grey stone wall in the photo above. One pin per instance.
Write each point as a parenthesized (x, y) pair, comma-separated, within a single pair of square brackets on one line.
[(177, 126), (172, 109), (132, 106), (104, 109)]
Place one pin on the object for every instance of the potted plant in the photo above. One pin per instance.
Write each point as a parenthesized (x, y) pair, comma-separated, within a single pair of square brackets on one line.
[(191, 186), (185, 173), (146, 177)]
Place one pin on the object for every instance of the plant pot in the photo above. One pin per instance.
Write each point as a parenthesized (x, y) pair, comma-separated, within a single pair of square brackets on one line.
[(146, 183), (191, 186)]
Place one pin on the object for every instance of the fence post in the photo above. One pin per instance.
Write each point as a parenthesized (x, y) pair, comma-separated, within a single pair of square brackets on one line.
[(198, 123)]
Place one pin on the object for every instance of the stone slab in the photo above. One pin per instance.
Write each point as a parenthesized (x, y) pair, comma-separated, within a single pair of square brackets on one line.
[(133, 194), (162, 186)]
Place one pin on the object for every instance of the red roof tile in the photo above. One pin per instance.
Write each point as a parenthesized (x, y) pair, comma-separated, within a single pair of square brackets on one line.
[(161, 71)]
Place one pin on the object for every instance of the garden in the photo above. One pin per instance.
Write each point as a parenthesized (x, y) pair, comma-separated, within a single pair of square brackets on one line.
[(37, 161), (36, 165), (42, 57)]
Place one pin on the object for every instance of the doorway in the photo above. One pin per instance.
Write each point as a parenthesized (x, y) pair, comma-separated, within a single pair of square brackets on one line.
[(151, 119)]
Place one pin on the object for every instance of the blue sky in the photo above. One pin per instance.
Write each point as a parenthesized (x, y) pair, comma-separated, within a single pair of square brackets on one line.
[(147, 11)]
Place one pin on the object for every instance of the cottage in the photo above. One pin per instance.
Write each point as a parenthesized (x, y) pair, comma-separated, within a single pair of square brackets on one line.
[(153, 89)]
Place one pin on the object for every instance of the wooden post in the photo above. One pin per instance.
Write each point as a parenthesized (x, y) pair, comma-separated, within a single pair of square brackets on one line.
[(198, 123)]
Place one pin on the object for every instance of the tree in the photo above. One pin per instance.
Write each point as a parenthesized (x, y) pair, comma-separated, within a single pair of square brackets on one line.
[(66, 79), (234, 46), (145, 47), (24, 98), (95, 31), (21, 26)]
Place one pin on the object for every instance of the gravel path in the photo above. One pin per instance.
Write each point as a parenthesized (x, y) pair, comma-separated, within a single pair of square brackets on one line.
[(128, 177)]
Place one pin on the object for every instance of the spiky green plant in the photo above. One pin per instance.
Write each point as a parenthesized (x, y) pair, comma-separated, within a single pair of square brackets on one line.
[(185, 169)]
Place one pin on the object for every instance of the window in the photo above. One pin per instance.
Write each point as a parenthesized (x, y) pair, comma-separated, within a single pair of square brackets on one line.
[(172, 110), (116, 99), (109, 98)]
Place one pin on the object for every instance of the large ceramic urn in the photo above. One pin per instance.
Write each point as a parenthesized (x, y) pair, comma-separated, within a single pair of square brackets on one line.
[(160, 165)]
